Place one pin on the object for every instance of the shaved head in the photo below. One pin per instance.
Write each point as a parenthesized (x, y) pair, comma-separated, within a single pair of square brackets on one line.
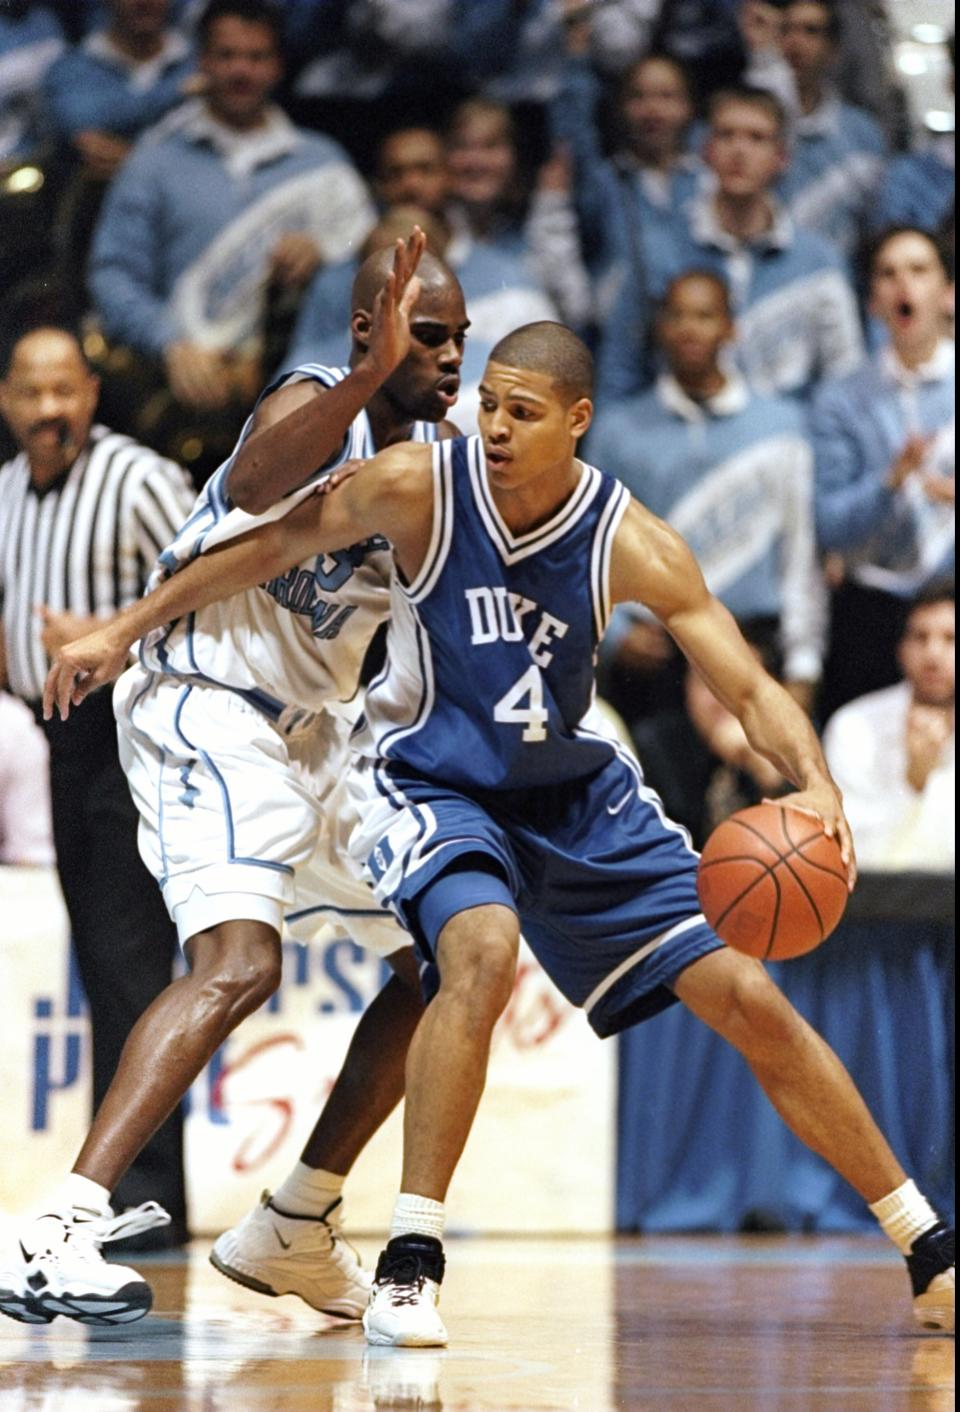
[(551, 349), (433, 274)]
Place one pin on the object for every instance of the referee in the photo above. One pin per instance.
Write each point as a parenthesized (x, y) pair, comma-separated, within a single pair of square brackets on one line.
[(84, 512)]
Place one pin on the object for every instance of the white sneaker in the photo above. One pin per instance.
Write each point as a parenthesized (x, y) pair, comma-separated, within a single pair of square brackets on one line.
[(275, 1253), (402, 1312), (63, 1272)]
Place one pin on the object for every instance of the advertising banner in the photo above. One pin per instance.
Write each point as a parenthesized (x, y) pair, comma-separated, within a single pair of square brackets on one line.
[(540, 1158)]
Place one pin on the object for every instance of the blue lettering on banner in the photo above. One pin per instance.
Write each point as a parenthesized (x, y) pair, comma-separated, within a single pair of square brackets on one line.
[(57, 1048), (333, 955)]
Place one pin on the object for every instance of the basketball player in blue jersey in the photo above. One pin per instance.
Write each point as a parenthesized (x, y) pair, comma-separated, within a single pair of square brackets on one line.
[(488, 799), (233, 730)]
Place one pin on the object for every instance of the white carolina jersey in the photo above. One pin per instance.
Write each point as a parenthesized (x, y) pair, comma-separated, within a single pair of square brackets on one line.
[(296, 644)]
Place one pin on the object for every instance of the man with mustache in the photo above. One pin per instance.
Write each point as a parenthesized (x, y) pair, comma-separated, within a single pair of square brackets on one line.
[(83, 514), (233, 732)]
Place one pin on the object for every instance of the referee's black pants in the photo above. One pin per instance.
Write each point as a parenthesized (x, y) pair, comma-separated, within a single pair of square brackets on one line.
[(124, 941)]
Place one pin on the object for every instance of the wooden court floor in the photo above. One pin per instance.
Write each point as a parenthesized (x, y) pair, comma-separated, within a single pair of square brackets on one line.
[(719, 1324)]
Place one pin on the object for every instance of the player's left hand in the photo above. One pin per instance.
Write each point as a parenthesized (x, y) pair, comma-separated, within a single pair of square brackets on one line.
[(825, 802)]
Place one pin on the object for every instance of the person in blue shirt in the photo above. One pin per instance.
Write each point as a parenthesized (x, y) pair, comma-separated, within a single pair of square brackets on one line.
[(731, 471), (222, 201), (123, 77), (648, 178), (837, 151), (30, 41), (513, 52), (795, 310), (884, 444), (920, 187), (101, 95)]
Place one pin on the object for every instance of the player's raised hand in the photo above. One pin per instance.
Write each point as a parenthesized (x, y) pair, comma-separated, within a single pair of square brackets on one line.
[(81, 666), (390, 329)]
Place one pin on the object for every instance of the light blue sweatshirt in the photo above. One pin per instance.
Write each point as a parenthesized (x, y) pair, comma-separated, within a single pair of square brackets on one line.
[(614, 202), (94, 86), (796, 314), (837, 158), (919, 189), (890, 539), (734, 476), (182, 249)]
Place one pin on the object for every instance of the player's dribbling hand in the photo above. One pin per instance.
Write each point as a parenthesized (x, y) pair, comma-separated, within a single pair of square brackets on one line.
[(825, 802), (81, 666)]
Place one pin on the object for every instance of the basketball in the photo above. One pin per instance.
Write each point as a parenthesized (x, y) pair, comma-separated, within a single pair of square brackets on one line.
[(771, 882)]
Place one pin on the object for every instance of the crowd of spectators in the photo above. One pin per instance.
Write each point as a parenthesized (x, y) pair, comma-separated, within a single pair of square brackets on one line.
[(725, 199)]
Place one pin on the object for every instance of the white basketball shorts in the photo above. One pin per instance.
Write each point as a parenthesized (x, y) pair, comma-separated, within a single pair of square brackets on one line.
[(238, 821)]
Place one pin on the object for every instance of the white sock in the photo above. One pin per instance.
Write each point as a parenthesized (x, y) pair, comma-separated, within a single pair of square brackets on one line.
[(904, 1214), (417, 1215), (308, 1191), (88, 1195)]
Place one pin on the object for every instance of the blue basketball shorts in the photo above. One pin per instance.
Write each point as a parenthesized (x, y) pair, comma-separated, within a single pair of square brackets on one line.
[(604, 885)]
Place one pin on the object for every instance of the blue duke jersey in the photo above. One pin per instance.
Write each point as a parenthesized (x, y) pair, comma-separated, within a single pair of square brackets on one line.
[(489, 680), (295, 644)]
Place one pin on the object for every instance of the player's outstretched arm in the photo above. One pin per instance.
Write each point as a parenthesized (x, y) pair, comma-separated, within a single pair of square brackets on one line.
[(390, 494), (300, 426), (654, 566)]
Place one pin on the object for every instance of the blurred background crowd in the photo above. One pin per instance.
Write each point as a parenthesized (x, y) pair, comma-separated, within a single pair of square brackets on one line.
[(745, 206)]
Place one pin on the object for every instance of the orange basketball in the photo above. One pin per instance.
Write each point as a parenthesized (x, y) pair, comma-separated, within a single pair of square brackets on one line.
[(771, 882)]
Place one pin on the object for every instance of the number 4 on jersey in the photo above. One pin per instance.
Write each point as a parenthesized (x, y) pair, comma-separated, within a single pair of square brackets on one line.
[(533, 716)]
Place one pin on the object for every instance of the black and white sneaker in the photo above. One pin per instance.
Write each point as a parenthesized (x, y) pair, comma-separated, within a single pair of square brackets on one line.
[(61, 1270), (402, 1312), (932, 1266)]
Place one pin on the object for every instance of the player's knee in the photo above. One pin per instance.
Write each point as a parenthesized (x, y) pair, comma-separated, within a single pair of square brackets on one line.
[(761, 1021), (478, 958), (238, 969)]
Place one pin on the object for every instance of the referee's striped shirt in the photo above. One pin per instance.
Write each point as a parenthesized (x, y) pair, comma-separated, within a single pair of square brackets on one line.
[(84, 544)]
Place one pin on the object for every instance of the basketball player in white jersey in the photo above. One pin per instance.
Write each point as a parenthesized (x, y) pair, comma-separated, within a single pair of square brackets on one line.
[(232, 730), (487, 797)]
